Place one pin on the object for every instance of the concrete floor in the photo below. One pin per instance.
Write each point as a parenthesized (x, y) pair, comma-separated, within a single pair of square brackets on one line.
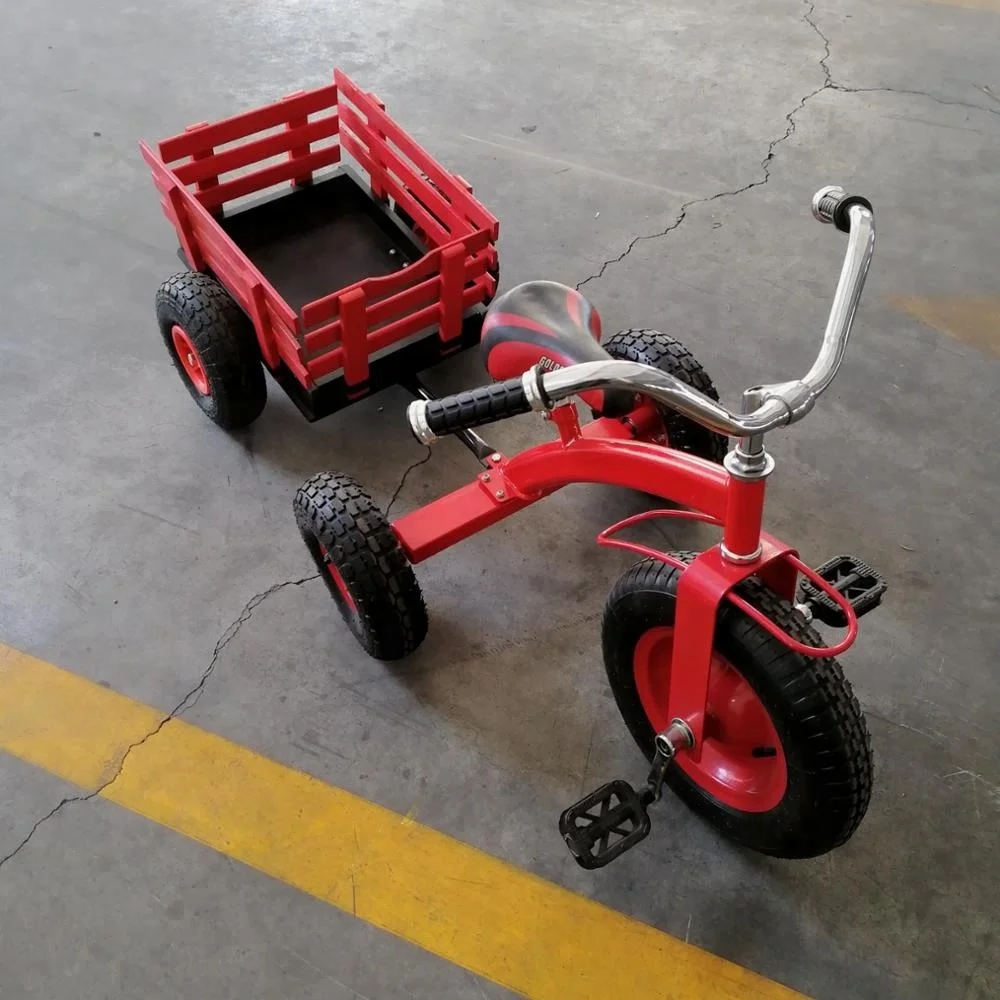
[(669, 150)]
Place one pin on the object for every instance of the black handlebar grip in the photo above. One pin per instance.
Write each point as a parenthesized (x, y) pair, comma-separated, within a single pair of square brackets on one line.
[(832, 204), (431, 418), (840, 217)]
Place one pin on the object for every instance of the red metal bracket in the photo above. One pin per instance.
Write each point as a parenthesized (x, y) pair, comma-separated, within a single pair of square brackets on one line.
[(703, 585)]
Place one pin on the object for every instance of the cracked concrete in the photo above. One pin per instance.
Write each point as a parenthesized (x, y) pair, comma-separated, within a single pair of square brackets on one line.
[(402, 481), (189, 700), (830, 84), (130, 527)]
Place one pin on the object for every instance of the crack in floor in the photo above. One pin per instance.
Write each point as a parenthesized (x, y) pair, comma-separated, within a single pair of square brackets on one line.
[(406, 472), (189, 700), (765, 165), (829, 84)]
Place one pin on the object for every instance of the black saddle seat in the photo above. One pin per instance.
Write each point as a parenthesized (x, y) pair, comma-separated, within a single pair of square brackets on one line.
[(548, 324)]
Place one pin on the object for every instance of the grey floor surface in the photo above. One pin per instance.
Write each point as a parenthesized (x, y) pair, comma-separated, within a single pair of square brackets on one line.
[(663, 154)]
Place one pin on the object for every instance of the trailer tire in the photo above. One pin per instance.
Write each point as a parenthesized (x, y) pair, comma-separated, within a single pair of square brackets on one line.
[(213, 347), (660, 350), (363, 565)]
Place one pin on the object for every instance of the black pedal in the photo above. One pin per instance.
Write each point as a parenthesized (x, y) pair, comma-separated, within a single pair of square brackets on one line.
[(604, 824), (857, 581)]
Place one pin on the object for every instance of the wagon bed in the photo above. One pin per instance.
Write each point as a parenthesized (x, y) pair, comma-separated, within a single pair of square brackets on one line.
[(359, 259)]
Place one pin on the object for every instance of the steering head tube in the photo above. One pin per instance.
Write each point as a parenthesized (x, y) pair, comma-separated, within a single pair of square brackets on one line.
[(765, 407)]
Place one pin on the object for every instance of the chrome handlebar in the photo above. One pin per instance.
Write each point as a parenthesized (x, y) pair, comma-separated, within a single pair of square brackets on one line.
[(766, 407)]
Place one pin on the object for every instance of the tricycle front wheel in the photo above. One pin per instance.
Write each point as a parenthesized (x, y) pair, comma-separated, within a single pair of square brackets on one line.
[(213, 347), (786, 764), (363, 565)]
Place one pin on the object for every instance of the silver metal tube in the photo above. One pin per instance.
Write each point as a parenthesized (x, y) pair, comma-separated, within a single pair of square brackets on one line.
[(632, 376), (781, 403), (860, 248)]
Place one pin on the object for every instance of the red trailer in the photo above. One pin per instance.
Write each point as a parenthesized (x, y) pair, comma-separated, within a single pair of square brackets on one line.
[(323, 244)]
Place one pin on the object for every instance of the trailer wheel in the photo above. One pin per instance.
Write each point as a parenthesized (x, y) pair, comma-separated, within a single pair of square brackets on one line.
[(786, 765), (213, 347), (363, 565), (660, 350)]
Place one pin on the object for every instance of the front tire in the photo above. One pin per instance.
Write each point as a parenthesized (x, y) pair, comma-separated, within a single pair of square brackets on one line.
[(363, 565), (786, 764), (660, 350)]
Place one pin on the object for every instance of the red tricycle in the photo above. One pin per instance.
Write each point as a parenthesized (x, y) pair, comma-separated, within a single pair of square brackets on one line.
[(712, 657)]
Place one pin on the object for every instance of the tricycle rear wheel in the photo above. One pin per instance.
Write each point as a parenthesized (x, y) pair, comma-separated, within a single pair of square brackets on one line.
[(660, 350), (213, 347), (786, 765), (363, 565)]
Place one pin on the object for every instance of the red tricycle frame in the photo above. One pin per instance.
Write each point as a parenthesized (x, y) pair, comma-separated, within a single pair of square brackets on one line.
[(611, 452), (210, 170)]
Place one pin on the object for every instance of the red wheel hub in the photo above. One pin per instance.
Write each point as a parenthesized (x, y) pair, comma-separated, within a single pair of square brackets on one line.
[(338, 580), (742, 762), (189, 359)]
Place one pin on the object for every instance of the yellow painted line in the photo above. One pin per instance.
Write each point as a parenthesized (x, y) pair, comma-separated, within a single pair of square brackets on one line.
[(531, 936), (974, 321)]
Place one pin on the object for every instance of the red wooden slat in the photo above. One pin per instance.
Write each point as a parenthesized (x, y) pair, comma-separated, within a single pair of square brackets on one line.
[(423, 294), (452, 282), (185, 229), (417, 186), (230, 264), (415, 322), (320, 310), (391, 334), (350, 142), (420, 189), (263, 323), (380, 290), (354, 338), (210, 179), (248, 123), (268, 177), (453, 189), (258, 149), (435, 232), (322, 340), (299, 152), (426, 293)]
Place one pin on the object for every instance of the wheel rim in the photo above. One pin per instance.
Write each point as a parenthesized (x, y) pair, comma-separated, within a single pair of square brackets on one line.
[(189, 359), (338, 580), (742, 762)]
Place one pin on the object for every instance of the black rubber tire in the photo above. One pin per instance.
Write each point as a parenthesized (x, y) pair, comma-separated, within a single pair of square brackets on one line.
[(335, 514), (660, 350), (226, 344), (811, 704)]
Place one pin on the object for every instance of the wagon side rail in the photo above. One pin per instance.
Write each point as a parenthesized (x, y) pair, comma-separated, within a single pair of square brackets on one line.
[(345, 329)]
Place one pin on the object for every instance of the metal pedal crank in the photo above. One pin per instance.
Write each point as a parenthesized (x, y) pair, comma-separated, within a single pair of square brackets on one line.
[(614, 818)]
